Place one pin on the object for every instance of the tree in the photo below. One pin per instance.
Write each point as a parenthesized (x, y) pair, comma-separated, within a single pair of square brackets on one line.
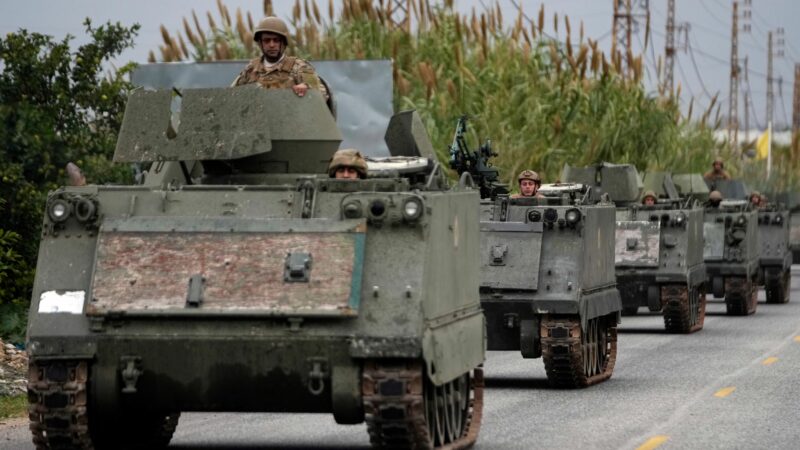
[(56, 105)]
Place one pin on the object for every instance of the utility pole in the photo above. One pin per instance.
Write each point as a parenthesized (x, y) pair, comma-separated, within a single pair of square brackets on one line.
[(399, 14), (733, 105), (770, 93), (626, 22), (796, 116), (670, 48), (746, 104)]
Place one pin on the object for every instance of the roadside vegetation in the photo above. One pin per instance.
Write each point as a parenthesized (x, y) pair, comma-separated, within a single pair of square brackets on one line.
[(13, 406)]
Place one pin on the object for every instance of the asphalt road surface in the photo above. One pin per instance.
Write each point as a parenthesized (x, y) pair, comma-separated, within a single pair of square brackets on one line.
[(732, 385)]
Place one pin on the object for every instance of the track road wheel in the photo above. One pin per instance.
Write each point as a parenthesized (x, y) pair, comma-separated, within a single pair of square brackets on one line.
[(741, 296), (404, 409), (778, 291), (574, 357), (684, 309)]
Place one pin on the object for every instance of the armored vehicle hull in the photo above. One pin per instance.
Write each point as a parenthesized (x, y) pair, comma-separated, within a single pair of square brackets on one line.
[(659, 258), (775, 256), (547, 283), (240, 285), (731, 253)]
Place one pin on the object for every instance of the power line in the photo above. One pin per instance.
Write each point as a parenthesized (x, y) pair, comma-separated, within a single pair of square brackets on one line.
[(684, 77), (712, 14), (697, 71)]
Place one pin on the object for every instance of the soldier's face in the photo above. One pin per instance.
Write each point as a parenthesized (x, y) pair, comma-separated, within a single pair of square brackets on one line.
[(346, 173), (528, 188), (649, 201), (271, 46), (717, 166)]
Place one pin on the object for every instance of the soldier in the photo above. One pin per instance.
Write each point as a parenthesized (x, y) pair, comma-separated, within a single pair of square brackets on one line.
[(75, 176), (529, 183), (274, 69), (717, 172), (755, 199), (649, 198), (714, 199), (348, 164)]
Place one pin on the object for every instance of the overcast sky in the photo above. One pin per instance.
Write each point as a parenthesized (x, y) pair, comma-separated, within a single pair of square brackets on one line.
[(702, 72)]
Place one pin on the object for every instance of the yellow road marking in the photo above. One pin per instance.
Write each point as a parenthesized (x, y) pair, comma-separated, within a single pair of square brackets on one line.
[(770, 360), (797, 338), (724, 392), (653, 442)]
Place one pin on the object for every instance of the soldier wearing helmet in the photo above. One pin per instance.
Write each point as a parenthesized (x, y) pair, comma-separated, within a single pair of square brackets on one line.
[(649, 198), (274, 69), (717, 171), (347, 164), (755, 199), (714, 199), (529, 183)]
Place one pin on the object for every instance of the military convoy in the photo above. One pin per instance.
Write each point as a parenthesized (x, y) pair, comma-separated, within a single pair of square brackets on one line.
[(658, 248), (239, 277)]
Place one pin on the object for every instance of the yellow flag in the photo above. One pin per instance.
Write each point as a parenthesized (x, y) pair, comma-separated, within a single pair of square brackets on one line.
[(762, 146)]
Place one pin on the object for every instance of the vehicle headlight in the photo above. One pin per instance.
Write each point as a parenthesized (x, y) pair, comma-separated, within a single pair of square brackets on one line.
[(412, 208), (573, 216), (59, 210), (352, 209), (85, 209), (377, 208), (741, 220), (680, 218), (534, 216), (550, 215), (778, 219)]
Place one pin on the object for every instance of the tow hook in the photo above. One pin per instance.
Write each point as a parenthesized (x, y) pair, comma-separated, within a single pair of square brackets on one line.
[(317, 375)]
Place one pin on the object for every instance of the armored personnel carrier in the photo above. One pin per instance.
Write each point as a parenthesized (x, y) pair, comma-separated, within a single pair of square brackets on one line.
[(732, 248), (658, 248), (547, 282), (775, 257), (240, 277)]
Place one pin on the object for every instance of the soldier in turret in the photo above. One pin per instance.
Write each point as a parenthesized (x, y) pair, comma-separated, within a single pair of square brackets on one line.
[(348, 164), (529, 183), (274, 69), (649, 198), (717, 171), (755, 200)]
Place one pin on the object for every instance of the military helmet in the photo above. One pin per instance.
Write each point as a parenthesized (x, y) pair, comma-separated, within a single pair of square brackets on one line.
[(715, 195), (348, 157), (756, 193), (271, 24), (649, 194), (529, 175)]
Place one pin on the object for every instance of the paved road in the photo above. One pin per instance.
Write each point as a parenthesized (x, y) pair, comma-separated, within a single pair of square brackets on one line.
[(732, 385)]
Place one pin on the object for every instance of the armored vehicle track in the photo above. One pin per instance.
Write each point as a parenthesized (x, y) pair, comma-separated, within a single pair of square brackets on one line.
[(404, 410), (741, 296), (573, 358), (684, 310), (778, 290)]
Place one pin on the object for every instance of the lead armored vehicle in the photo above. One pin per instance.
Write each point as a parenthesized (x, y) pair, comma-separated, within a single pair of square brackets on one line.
[(240, 277), (658, 248), (732, 249), (547, 279)]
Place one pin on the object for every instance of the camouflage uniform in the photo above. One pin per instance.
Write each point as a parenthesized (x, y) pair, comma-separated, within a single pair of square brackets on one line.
[(284, 74), (712, 175)]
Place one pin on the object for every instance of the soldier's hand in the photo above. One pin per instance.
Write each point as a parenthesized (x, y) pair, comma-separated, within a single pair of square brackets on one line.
[(300, 89)]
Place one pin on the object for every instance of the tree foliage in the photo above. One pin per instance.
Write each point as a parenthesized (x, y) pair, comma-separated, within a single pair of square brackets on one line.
[(56, 105)]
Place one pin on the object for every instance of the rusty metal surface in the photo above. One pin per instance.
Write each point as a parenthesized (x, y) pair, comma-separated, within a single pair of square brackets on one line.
[(637, 243), (243, 271), (714, 247)]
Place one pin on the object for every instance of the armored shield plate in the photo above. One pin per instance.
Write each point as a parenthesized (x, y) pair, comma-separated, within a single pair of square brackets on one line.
[(714, 236), (275, 267), (510, 253), (637, 243)]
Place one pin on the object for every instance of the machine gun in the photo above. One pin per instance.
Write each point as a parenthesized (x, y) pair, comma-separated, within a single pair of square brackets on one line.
[(475, 163)]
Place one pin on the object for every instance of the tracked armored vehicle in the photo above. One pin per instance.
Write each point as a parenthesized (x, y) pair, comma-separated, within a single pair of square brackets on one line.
[(240, 277), (775, 257), (732, 249), (658, 248), (547, 282)]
